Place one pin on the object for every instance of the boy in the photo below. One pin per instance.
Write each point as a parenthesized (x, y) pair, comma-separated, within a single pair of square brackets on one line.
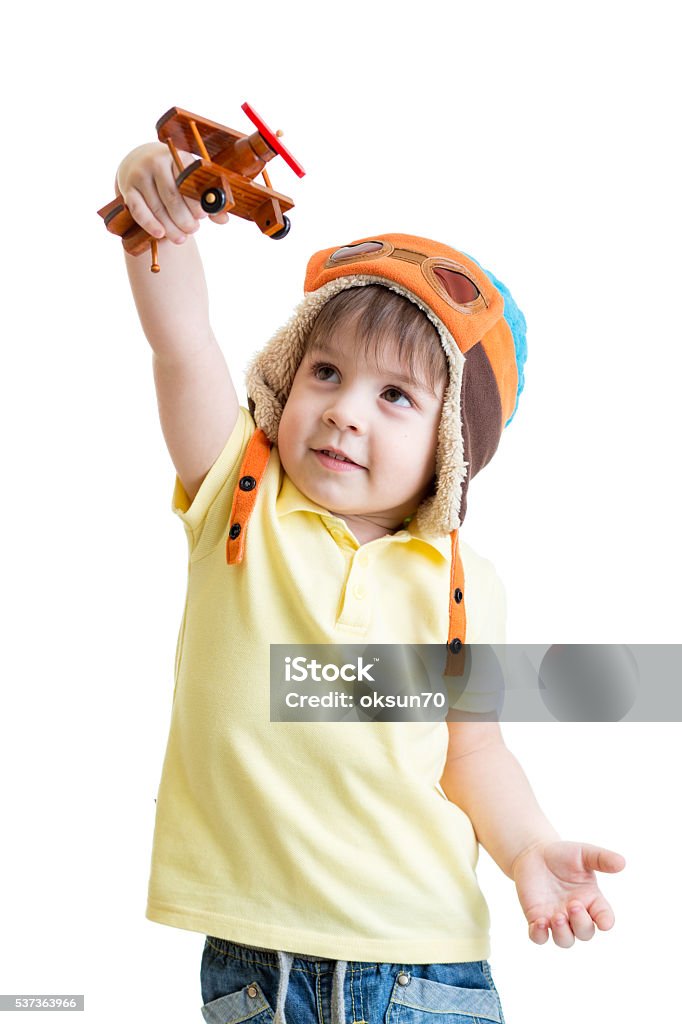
[(329, 512)]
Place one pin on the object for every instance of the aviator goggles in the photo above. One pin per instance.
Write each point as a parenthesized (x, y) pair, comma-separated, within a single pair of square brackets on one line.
[(450, 280)]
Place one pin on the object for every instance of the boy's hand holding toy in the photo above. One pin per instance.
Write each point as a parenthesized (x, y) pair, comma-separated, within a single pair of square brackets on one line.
[(208, 170), (146, 182)]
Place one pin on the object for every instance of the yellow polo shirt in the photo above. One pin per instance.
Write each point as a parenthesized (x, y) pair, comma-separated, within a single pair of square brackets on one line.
[(328, 838)]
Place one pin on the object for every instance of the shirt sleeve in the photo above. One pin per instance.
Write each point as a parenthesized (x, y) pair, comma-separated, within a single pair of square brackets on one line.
[(205, 519)]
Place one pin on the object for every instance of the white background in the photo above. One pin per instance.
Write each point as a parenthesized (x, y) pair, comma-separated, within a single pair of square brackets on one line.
[(541, 138)]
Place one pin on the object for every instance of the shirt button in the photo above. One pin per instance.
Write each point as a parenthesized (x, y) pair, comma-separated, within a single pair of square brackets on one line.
[(403, 979), (362, 558), (252, 990), (359, 590)]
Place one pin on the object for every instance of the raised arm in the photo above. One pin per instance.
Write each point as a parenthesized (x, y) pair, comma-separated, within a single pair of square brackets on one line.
[(197, 401)]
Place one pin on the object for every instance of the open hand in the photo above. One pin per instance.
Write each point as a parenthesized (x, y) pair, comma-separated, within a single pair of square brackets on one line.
[(557, 888)]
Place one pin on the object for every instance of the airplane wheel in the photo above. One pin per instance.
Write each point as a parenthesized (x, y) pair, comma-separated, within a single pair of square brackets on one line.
[(213, 200), (283, 232)]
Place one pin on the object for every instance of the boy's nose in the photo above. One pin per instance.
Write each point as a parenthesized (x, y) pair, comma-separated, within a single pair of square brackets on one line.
[(343, 417)]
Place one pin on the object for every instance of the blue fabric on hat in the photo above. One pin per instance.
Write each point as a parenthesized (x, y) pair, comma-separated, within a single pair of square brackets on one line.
[(517, 325)]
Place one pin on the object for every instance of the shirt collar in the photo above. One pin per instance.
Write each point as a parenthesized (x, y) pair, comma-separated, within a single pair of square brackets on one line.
[(290, 499)]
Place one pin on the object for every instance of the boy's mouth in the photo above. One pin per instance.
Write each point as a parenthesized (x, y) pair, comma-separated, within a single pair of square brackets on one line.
[(337, 456)]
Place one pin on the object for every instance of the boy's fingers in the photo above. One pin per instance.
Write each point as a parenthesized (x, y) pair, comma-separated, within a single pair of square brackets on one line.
[(596, 858), (199, 213), (576, 922), (561, 931), (158, 209), (602, 915), (142, 215), (195, 208), (581, 922), (538, 932), (174, 202)]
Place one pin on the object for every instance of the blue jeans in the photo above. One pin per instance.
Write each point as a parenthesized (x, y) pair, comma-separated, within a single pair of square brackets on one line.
[(240, 983)]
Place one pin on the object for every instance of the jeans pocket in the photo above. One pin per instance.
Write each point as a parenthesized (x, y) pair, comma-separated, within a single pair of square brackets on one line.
[(422, 1001), (247, 1004)]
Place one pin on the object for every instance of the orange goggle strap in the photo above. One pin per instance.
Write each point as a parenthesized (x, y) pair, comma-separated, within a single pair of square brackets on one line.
[(250, 475), (457, 626)]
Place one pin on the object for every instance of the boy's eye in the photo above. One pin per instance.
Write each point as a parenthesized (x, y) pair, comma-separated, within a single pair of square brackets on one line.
[(399, 393), (321, 367)]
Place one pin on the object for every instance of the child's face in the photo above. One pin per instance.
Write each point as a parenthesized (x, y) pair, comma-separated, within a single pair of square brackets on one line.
[(382, 419)]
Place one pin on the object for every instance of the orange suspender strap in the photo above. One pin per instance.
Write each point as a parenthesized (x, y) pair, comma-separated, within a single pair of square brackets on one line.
[(457, 627), (250, 475)]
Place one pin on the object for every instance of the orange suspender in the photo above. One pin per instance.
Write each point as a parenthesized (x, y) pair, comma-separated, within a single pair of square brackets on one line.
[(457, 625), (250, 475)]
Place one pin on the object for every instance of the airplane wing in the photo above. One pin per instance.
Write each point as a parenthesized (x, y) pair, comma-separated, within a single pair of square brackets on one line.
[(175, 125)]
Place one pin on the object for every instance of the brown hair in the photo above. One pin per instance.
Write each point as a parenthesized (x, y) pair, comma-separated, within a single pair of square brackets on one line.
[(380, 317)]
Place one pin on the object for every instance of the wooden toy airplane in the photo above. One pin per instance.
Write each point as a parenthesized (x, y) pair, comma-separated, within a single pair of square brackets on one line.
[(221, 178)]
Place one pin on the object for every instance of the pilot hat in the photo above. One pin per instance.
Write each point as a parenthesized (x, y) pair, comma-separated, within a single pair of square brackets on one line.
[(481, 329)]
